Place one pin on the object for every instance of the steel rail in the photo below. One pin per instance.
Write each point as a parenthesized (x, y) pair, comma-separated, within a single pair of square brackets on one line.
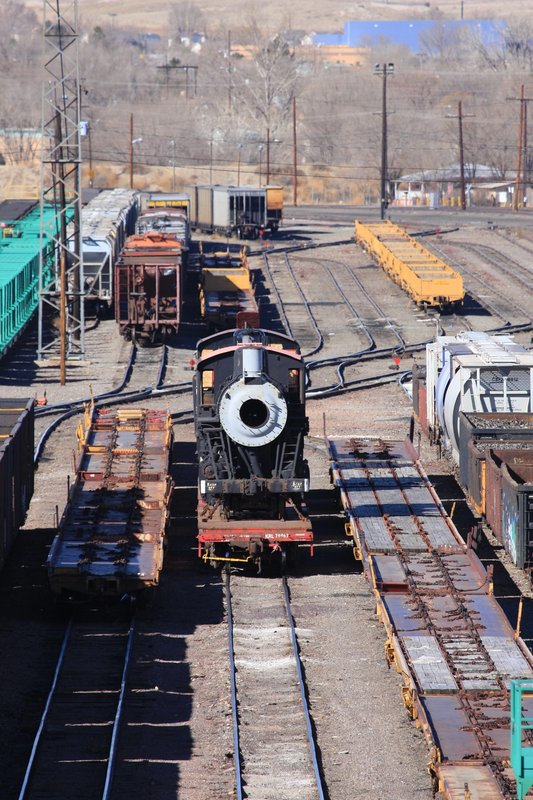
[(45, 410), (310, 314), (37, 739), (118, 716), (116, 723), (281, 306), (116, 396), (483, 302), (303, 692), (234, 709)]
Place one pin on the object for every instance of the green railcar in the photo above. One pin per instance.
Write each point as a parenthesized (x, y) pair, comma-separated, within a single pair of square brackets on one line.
[(20, 245)]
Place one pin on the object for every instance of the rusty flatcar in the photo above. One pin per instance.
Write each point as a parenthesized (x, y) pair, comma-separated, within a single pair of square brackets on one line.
[(112, 534), (148, 287), (447, 635)]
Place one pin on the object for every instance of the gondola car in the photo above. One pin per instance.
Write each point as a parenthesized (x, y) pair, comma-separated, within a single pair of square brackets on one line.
[(148, 287), (249, 406)]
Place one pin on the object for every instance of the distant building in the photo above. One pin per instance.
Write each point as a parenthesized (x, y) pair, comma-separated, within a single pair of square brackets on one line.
[(442, 187), (359, 33)]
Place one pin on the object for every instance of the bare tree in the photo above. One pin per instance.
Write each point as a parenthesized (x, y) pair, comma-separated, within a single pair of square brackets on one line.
[(185, 18)]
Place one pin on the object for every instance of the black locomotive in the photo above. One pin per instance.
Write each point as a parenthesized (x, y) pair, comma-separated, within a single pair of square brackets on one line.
[(249, 400)]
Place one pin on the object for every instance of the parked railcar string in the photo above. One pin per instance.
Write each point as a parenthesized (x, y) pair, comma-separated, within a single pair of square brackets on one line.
[(274, 743)]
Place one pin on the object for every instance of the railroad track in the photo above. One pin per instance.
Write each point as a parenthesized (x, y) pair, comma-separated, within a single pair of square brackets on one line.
[(74, 750), (498, 304), (274, 746)]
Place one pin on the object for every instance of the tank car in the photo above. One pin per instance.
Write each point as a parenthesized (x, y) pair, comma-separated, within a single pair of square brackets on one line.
[(249, 406)]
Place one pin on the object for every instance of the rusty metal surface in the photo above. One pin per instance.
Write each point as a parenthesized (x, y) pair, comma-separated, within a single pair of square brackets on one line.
[(112, 532), (447, 635), (476, 778)]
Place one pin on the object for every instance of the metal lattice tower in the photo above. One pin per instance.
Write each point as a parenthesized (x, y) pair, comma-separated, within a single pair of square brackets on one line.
[(61, 291)]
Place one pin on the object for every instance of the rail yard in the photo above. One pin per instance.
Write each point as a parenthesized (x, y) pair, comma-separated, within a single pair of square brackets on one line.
[(389, 650)]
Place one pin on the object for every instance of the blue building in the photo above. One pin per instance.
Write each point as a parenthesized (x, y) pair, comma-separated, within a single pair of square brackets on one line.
[(402, 32)]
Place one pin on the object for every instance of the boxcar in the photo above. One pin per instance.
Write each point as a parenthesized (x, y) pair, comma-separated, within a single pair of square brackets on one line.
[(16, 468), (230, 210), (112, 533)]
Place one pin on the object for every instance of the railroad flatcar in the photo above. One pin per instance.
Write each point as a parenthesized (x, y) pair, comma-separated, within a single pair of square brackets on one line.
[(227, 297), (447, 635), (249, 408), (16, 468), (239, 211), (20, 252), (426, 279), (106, 222), (148, 287), (112, 534)]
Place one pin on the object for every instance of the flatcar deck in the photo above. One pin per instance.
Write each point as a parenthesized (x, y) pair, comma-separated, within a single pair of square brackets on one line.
[(112, 534), (446, 634)]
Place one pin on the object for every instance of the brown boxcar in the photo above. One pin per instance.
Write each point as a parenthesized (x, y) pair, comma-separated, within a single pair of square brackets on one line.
[(16, 468), (148, 287)]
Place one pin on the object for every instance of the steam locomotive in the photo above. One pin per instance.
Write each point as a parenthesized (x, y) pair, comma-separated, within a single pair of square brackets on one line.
[(249, 406)]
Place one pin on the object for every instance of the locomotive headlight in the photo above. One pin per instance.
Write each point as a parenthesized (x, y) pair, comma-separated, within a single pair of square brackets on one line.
[(253, 414)]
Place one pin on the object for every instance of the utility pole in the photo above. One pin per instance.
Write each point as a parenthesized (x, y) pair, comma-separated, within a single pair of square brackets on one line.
[(521, 159), (460, 116), (383, 70), (268, 157), (61, 282), (229, 70), (131, 150), (294, 151)]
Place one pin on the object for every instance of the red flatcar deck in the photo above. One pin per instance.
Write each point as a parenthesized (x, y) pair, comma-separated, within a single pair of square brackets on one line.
[(271, 534), (446, 634)]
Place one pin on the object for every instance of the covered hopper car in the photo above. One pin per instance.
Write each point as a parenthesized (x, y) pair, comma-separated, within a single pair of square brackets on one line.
[(148, 287), (16, 468), (426, 279), (112, 534), (249, 406), (106, 222)]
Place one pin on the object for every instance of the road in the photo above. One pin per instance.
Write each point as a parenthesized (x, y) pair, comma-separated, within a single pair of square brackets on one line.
[(419, 218)]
